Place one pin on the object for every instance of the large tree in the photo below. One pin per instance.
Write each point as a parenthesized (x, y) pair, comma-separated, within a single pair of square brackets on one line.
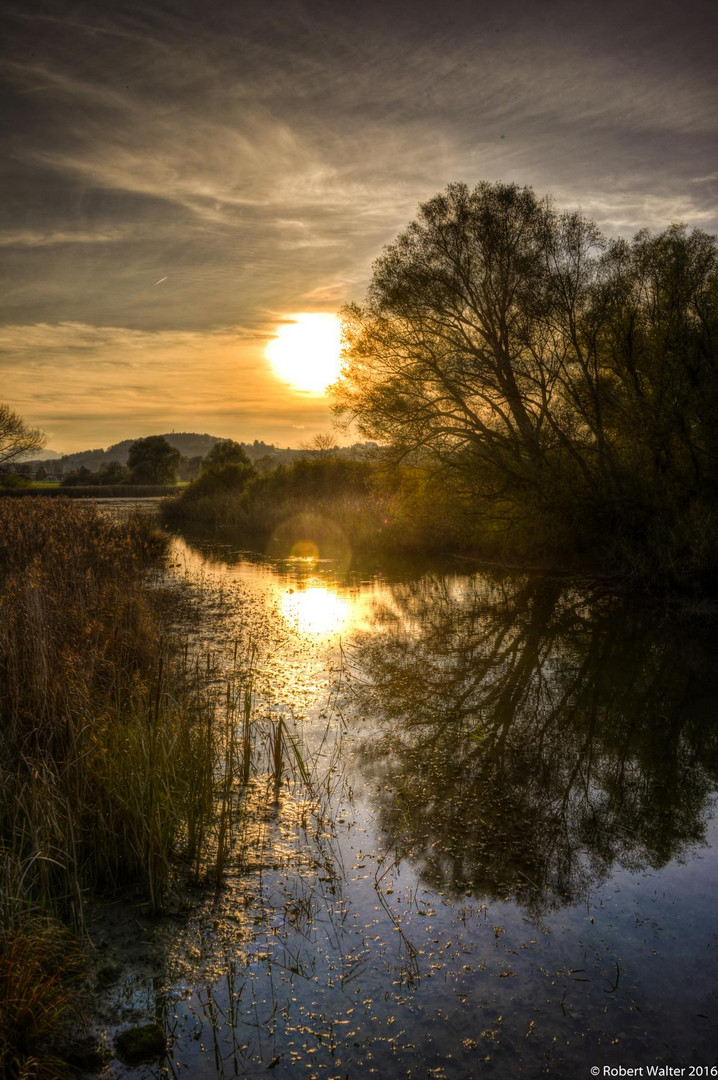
[(17, 440), (455, 350), (537, 361)]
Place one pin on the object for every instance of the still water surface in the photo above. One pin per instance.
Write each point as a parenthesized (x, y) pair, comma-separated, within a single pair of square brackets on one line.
[(506, 863)]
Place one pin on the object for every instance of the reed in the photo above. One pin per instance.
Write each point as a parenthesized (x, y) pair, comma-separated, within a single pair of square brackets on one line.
[(119, 763), (126, 759), (40, 995)]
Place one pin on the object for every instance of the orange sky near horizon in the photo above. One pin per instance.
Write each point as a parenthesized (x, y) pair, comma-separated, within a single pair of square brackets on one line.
[(137, 385)]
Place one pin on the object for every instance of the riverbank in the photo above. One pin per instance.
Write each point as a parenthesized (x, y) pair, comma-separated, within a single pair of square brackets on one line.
[(357, 509), (119, 766)]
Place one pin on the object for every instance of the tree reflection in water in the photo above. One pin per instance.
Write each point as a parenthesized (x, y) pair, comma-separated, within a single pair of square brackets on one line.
[(526, 738)]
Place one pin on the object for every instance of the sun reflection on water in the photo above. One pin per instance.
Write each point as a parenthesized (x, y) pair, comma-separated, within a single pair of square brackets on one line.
[(316, 609)]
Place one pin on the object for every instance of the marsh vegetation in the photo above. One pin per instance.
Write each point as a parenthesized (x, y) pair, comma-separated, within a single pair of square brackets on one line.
[(124, 761)]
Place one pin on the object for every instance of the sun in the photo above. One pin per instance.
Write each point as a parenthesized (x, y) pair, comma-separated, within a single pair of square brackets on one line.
[(306, 351)]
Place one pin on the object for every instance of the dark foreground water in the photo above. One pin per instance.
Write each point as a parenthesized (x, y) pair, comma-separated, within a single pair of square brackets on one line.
[(503, 861)]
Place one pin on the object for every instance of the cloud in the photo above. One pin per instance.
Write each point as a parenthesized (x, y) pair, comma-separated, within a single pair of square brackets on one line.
[(624, 212), (333, 293), (359, 127), (32, 238)]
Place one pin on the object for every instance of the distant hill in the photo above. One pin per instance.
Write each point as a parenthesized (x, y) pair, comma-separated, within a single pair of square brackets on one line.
[(41, 455), (190, 445)]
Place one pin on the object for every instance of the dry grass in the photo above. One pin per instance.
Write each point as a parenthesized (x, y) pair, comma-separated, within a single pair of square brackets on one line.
[(125, 759), (119, 754), (40, 978), (78, 650)]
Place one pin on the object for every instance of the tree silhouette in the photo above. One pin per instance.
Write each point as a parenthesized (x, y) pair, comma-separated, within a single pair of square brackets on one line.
[(529, 739), (16, 438), (225, 452), (153, 461), (565, 383)]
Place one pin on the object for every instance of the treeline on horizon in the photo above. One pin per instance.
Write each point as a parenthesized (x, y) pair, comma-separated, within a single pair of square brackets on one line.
[(110, 465), (154, 465), (540, 393)]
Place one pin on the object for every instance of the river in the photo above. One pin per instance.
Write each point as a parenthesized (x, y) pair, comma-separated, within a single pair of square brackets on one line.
[(493, 852)]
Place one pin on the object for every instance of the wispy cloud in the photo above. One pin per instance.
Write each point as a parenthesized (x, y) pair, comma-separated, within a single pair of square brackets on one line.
[(33, 238), (363, 129)]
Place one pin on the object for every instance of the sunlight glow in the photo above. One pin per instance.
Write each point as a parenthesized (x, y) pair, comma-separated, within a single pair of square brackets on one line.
[(305, 352), (316, 610)]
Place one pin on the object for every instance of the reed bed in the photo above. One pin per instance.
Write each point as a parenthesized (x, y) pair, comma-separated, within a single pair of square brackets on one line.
[(124, 757)]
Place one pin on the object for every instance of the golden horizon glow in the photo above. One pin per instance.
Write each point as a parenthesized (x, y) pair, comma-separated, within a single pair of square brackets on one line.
[(306, 352)]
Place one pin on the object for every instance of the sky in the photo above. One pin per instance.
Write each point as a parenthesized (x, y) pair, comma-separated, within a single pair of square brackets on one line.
[(179, 179)]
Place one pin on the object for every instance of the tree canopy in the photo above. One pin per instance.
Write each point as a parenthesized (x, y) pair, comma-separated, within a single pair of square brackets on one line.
[(537, 361), (225, 452), (153, 461), (16, 438), (111, 473)]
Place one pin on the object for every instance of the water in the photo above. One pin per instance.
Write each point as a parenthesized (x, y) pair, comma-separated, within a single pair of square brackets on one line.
[(506, 862)]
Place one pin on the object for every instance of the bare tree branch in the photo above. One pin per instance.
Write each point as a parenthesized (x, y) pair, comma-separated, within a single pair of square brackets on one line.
[(17, 440)]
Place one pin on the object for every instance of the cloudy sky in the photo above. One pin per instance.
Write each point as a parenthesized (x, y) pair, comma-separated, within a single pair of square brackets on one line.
[(180, 178)]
